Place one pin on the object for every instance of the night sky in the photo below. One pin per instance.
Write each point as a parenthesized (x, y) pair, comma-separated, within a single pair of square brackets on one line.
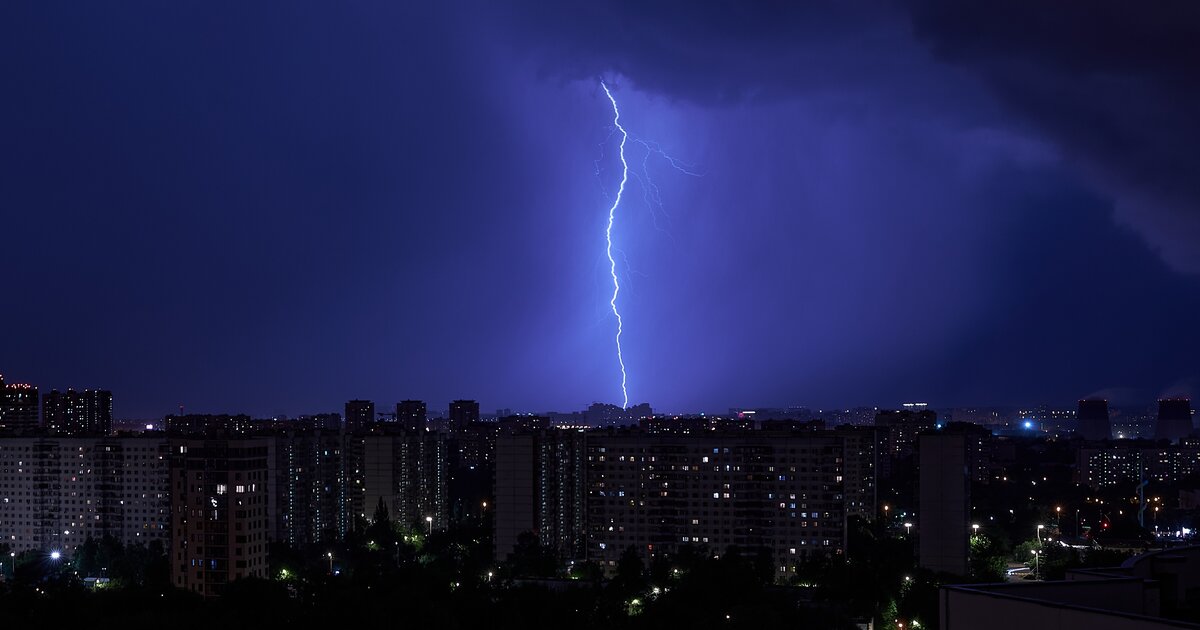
[(274, 207)]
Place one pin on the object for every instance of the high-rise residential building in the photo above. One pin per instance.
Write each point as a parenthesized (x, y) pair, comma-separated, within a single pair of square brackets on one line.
[(1128, 463), (18, 406), (1093, 420), (360, 414), (1174, 419), (462, 414), (315, 488), (88, 412), (944, 491), (409, 472), (56, 492), (219, 522), (898, 436), (861, 464), (412, 415), (753, 490), (540, 488)]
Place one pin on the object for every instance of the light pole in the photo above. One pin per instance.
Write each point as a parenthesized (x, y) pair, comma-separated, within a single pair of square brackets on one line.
[(12, 559), (1035, 563), (429, 524), (1039, 534), (1058, 518), (1077, 522), (975, 529), (908, 529), (330, 556)]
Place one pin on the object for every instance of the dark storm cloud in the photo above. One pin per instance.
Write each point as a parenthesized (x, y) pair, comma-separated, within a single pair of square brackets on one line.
[(1111, 86), (1112, 83), (707, 52)]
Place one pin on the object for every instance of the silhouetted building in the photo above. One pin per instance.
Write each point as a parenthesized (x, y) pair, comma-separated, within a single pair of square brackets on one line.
[(898, 435), (522, 423), (18, 406), (1093, 420), (411, 414), (686, 425), (462, 414), (219, 521), (316, 485), (541, 489), (944, 503), (1174, 419), (410, 472), (360, 414), (605, 415), (211, 425), (77, 413), (861, 465)]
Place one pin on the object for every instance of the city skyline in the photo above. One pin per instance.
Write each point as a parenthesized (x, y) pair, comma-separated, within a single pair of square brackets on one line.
[(1118, 399)]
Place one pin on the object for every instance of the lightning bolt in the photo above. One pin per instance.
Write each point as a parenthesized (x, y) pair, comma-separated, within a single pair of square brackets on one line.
[(612, 262)]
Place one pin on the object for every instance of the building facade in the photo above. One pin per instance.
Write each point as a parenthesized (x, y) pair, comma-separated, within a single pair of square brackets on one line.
[(219, 514), (657, 493), (944, 494), (88, 412), (56, 492), (409, 472), (540, 488), (18, 407)]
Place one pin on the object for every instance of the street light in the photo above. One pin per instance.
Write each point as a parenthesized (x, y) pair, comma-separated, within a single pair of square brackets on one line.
[(1035, 563), (975, 529), (330, 556), (907, 528), (429, 524), (1058, 518), (1039, 534), (55, 555)]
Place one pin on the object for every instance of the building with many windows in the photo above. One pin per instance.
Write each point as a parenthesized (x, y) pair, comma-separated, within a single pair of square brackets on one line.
[(657, 493), (18, 406), (316, 485), (409, 472), (1129, 462), (540, 488), (219, 521), (88, 412), (56, 492)]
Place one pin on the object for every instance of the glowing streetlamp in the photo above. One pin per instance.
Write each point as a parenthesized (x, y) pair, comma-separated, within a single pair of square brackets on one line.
[(330, 556), (907, 529), (974, 529), (55, 555), (1039, 534), (429, 524), (1035, 563)]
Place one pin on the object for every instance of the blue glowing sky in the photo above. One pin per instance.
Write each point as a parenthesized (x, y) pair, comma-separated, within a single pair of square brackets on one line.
[(272, 210)]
